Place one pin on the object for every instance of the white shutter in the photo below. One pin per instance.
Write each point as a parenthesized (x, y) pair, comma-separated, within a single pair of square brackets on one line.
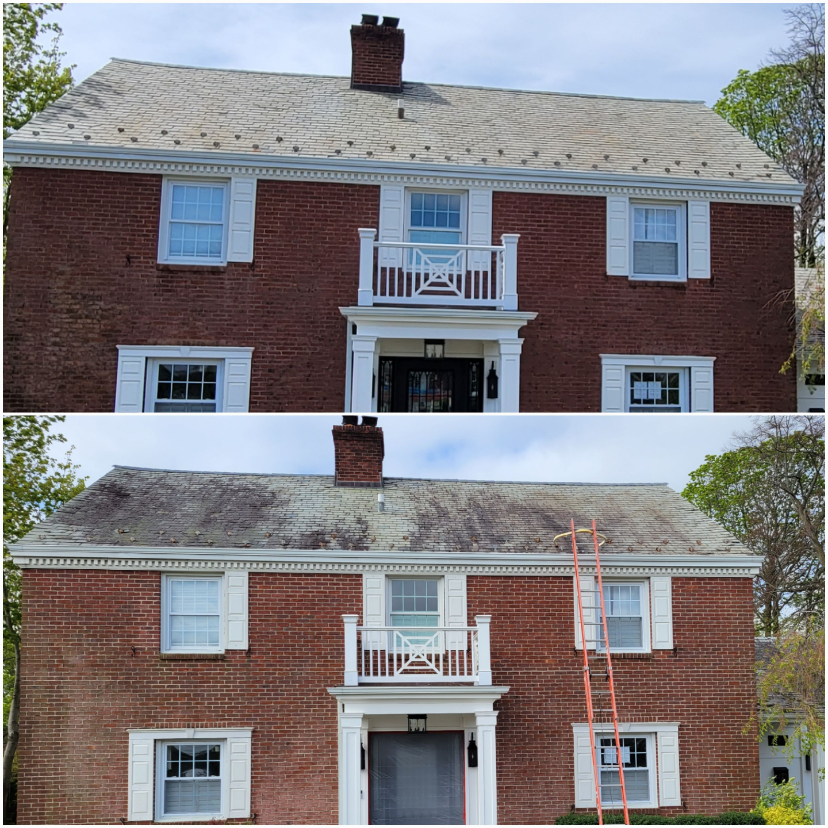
[(480, 228), (236, 637), (661, 612), (588, 597), (140, 777), (701, 388), (618, 235), (698, 239), (455, 609), (669, 792), (392, 223), (129, 386), (373, 609), (584, 774), (612, 388), (237, 385), (242, 219), (238, 771)]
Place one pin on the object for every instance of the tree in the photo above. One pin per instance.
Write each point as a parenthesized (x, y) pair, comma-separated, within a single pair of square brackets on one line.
[(32, 74), (781, 108), (35, 485)]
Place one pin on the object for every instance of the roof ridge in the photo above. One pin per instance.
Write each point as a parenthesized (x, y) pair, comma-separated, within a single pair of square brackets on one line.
[(414, 83)]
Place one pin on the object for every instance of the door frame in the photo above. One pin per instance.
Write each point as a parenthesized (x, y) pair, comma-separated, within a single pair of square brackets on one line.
[(461, 367)]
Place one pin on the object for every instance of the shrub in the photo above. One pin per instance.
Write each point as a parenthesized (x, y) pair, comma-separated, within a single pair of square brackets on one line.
[(784, 805), (741, 818), (617, 818)]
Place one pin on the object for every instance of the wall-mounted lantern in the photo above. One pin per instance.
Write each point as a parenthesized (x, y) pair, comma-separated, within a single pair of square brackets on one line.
[(361, 756), (491, 383), (472, 750), (417, 723)]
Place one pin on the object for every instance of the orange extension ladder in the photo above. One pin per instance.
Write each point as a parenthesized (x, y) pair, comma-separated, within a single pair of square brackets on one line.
[(592, 710)]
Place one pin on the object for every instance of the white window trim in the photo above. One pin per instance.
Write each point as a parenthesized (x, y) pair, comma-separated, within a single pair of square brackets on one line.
[(684, 388), (160, 762), (240, 771), (166, 212), (652, 802), (654, 731), (681, 235), (151, 385), (464, 211), (166, 647), (135, 366), (646, 637), (620, 363), (441, 591)]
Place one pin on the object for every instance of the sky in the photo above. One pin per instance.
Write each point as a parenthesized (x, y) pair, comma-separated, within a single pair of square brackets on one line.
[(655, 50), (554, 448)]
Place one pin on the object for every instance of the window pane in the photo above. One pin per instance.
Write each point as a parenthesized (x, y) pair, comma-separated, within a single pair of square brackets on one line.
[(655, 258)]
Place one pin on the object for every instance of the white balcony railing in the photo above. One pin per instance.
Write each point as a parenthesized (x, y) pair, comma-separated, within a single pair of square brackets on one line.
[(425, 655), (467, 275)]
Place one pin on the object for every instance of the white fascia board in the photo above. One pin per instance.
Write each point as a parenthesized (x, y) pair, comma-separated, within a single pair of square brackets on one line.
[(20, 153), (376, 701), (194, 732), (436, 323), (203, 351), (153, 558)]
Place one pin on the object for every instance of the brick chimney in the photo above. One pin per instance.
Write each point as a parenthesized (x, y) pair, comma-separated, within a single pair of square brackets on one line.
[(359, 451), (377, 54)]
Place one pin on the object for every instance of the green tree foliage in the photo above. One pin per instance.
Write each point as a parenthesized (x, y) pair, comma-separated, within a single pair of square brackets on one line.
[(32, 74), (781, 108), (35, 484)]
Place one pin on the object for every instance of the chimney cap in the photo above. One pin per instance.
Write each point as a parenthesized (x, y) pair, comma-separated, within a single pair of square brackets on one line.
[(391, 22), (369, 421), (348, 419), (370, 19)]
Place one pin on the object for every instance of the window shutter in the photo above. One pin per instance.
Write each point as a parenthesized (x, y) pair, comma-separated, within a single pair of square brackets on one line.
[(584, 774), (669, 792), (455, 604), (480, 228), (373, 609), (588, 596), (242, 219), (612, 388), (392, 223), (237, 385), (236, 638), (698, 239), (701, 388), (661, 612), (238, 764), (129, 386), (618, 235), (140, 782)]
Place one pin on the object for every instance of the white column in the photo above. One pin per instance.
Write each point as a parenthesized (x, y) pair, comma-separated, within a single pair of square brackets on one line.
[(510, 299), (484, 662), (366, 266), (486, 768), (351, 675), (350, 788), (362, 378), (509, 390)]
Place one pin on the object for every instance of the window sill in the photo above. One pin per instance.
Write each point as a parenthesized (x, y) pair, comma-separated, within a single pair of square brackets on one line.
[(191, 656), (628, 656), (190, 268), (655, 280)]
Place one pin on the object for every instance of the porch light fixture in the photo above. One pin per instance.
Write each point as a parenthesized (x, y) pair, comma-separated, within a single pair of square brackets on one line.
[(435, 348), (417, 723), (361, 756), (491, 384), (472, 750)]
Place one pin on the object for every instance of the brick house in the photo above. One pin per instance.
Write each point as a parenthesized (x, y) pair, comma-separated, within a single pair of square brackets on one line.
[(200, 239), (206, 646)]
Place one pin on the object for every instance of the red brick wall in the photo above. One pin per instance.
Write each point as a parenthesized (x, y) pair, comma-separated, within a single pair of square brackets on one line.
[(71, 295), (358, 452), (377, 54), (83, 687), (583, 312), (708, 687)]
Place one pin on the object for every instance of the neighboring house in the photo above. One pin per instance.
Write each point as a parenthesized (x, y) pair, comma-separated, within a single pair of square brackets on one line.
[(202, 646), (774, 762), (186, 239), (810, 385)]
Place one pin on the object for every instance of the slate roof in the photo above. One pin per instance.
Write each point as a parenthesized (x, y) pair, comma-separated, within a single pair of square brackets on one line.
[(133, 105), (133, 507)]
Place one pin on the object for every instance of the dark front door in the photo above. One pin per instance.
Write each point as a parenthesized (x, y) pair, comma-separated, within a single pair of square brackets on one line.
[(448, 385), (416, 779)]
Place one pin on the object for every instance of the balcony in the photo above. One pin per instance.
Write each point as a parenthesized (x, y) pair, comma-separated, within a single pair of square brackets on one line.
[(432, 655), (454, 275)]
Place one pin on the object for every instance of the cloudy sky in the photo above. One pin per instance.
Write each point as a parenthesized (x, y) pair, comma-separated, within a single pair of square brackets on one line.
[(586, 448), (660, 50)]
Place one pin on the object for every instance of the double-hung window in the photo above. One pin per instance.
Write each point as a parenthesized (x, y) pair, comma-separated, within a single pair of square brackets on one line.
[(658, 241), (436, 218), (656, 390), (184, 385), (194, 222), (192, 610), (192, 784), (414, 608), (637, 760), (627, 618)]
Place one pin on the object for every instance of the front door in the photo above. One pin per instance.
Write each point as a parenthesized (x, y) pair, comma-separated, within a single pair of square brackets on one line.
[(447, 385), (416, 779)]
